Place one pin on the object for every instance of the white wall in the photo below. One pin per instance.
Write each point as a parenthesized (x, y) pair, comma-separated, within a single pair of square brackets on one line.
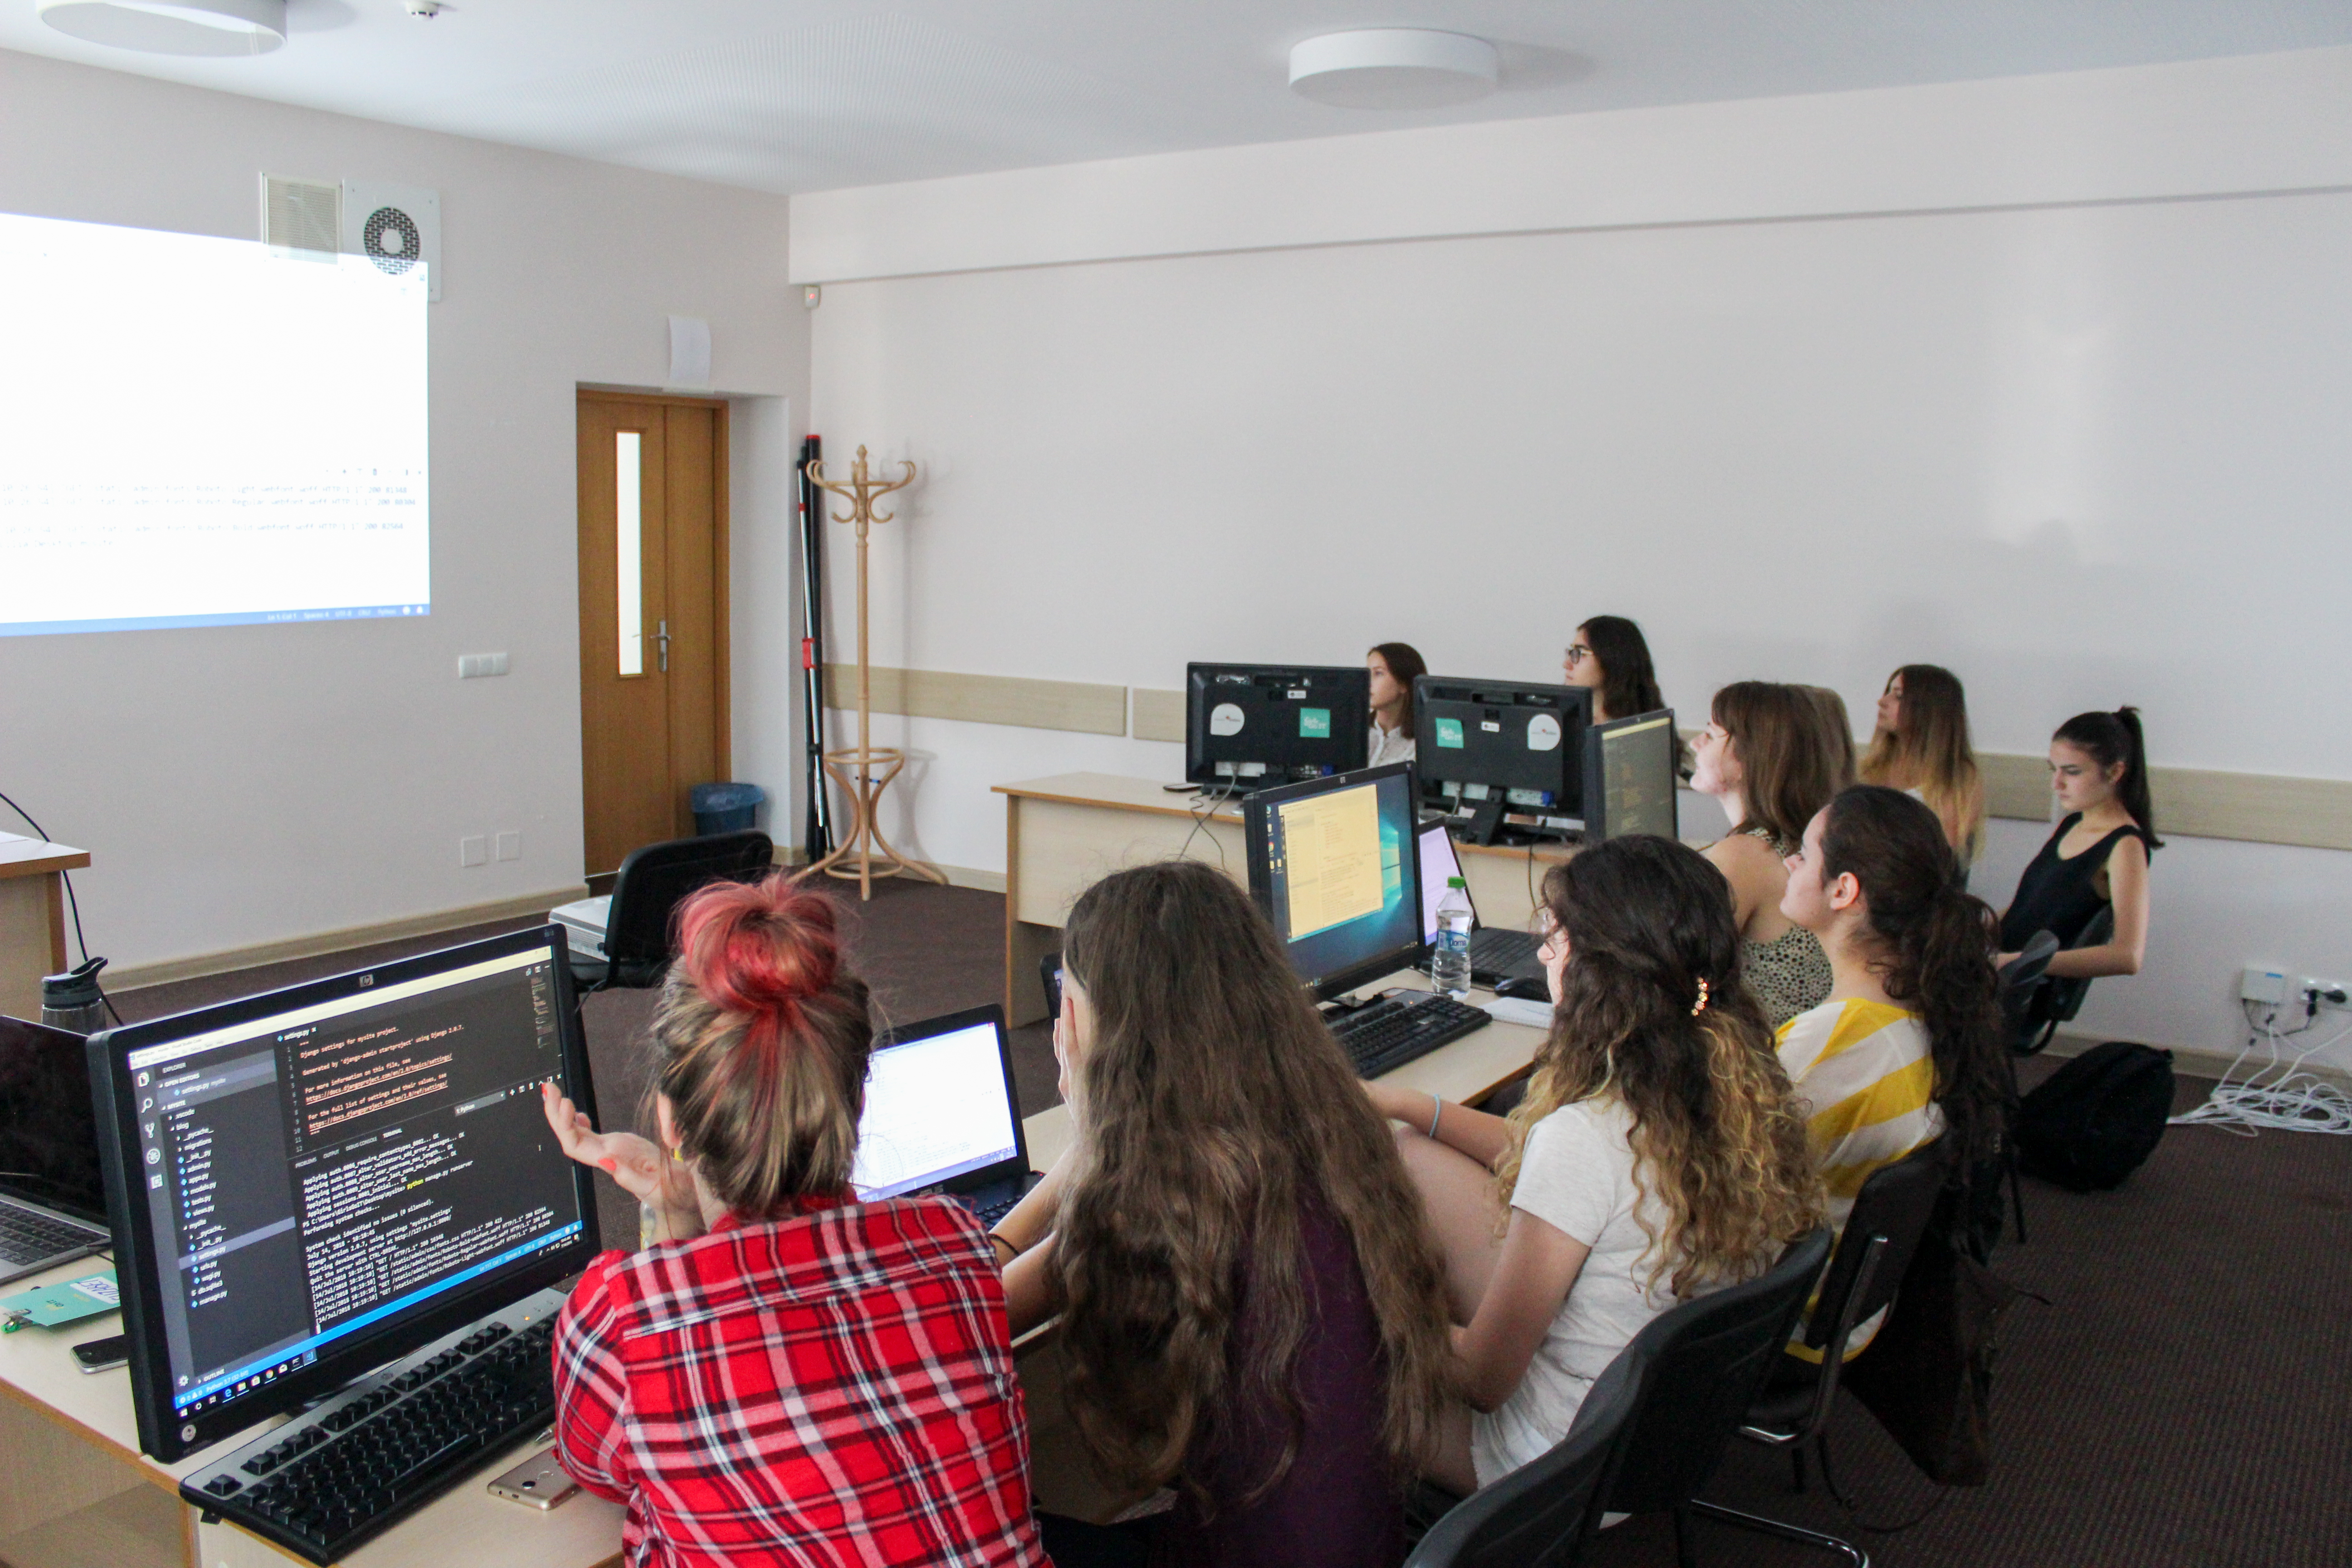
[(244, 785), (2083, 452)]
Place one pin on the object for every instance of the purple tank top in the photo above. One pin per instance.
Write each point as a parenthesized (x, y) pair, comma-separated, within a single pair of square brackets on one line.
[(1340, 1504)]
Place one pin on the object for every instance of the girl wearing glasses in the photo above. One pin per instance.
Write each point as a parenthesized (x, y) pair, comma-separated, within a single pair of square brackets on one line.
[(1610, 657)]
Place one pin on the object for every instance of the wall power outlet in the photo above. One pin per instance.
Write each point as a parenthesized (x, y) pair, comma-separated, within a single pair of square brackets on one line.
[(2325, 992)]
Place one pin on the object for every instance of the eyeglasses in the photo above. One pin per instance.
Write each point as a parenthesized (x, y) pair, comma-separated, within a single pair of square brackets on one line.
[(1578, 653)]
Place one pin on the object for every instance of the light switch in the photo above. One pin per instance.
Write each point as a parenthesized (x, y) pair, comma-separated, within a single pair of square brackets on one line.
[(473, 851), (509, 846), (474, 666)]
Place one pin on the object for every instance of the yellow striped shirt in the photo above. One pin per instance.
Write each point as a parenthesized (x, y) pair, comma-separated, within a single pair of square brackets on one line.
[(1865, 1074)]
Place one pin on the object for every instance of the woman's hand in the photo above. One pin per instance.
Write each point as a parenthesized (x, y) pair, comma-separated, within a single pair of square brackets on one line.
[(639, 1167)]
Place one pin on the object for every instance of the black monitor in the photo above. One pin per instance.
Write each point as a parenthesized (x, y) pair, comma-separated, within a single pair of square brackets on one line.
[(1628, 776), (1332, 864), (308, 1183), (1255, 726), (48, 1145), (1503, 754)]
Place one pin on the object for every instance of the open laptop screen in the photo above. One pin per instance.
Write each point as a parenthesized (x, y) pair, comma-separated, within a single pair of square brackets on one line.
[(938, 1105), (1438, 861), (49, 1130)]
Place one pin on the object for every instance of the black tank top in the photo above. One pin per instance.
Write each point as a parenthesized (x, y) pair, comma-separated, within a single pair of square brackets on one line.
[(2061, 895)]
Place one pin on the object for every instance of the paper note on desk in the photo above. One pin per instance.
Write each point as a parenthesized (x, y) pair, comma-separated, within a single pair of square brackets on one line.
[(1519, 1010), (51, 1305)]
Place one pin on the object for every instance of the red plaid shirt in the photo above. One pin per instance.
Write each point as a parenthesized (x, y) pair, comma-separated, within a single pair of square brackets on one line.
[(833, 1388)]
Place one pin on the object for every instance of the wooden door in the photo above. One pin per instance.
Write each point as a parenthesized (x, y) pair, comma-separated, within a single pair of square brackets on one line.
[(653, 617)]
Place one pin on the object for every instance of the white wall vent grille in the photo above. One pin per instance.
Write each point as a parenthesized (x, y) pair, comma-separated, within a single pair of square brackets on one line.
[(301, 219)]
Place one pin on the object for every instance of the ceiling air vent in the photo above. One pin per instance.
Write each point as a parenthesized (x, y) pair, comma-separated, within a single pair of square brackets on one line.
[(301, 219)]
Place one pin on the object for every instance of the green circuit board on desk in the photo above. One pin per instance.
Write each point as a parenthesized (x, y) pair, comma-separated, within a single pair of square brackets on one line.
[(68, 1301)]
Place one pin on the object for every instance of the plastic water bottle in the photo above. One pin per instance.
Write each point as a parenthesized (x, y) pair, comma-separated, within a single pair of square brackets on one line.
[(1449, 963)]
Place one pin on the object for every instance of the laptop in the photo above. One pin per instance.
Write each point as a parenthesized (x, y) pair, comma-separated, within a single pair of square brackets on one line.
[(941, 1116), (52, 1196), (1495, 955)]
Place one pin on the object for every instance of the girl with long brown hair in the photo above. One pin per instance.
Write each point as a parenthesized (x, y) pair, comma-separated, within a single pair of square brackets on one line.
[(1656, 1155), (1393, 666), (686, 1373), (1765, 755), (1921, 745), (1249, 1308), (1610, 656)]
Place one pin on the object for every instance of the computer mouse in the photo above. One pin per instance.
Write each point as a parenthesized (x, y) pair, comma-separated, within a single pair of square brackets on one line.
[(1524, 989)]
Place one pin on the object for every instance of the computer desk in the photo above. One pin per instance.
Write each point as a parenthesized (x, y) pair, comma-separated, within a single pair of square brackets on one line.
[(32, 918), (1064, 833), (1059, 1479), (75, 1491)]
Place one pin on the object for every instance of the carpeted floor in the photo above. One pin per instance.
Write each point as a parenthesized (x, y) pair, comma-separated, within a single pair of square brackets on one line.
[(2179, 1403)]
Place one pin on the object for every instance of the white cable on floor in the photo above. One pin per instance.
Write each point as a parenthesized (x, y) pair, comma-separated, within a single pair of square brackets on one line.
[(2291, 1101)]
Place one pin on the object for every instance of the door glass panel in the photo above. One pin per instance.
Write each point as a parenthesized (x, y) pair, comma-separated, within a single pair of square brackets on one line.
[(631, 576)]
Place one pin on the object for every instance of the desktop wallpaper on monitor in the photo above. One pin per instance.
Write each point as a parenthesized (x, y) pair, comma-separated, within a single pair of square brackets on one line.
[(1345, 891)]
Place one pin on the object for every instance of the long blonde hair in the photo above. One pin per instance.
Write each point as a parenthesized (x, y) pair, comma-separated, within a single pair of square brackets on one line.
[(1653, 1014), (1207, 1073), (1930, 752)]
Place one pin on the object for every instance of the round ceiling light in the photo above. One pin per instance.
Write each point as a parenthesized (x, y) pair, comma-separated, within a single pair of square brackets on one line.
[(172, 26), (1393, 68)]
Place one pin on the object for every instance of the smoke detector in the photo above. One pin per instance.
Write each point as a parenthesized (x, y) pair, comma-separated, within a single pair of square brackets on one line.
[(1393, 68), (428, 9)]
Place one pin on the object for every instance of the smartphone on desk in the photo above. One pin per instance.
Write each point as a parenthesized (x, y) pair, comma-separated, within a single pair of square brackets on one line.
[(538, 1482), (98, 1355)]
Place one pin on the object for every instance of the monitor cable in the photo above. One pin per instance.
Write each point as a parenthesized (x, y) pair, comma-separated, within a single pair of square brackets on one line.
[(72, 902), (1202, 807)]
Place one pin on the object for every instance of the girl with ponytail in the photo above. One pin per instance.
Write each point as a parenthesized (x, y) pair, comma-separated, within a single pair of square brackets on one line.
[(2098, 857), (684, 1373), (1910, 1044), (1657, 1153)]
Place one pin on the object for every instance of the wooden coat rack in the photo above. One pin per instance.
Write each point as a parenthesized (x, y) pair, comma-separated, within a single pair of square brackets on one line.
[(865, 770)]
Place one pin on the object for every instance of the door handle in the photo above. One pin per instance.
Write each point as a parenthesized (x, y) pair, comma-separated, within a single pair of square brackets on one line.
[(662, 637)]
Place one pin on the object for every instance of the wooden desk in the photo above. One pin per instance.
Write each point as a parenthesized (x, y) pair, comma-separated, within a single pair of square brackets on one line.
[(1064, 834), (1058, 1475), (32, 918), (75, 1491)]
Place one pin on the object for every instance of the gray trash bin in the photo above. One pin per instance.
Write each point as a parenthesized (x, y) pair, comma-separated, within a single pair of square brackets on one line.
[(725, 807)]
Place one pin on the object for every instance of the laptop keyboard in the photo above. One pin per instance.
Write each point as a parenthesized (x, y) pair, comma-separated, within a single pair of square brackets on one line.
[(1391, 1032), (1494, 952), (27, 1237)]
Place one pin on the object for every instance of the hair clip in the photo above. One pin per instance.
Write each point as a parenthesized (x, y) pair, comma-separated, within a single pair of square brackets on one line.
[(1700, 1006)]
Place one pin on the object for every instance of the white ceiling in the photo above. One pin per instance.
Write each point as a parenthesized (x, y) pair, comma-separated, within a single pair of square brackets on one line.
[(799, 95)]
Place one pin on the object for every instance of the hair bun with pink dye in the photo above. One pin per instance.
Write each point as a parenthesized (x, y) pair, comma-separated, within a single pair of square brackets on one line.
[(759, 947)]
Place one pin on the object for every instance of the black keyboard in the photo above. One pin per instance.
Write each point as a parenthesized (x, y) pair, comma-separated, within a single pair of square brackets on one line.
[(327, 1481), (1395, 1031), (29, 1236)]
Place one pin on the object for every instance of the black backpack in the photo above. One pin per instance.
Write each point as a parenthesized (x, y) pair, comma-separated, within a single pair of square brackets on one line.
[(2097, 1117)]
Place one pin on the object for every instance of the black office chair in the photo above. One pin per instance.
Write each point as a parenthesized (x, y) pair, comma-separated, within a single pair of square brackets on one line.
[(1542, 1514), (1703, 1364), (2054, 1000), (650, 885), (1890, 1215), (2021, 981)]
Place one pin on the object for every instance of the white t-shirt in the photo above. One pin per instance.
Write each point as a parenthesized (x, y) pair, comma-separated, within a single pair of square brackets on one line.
[(1577, 1175)]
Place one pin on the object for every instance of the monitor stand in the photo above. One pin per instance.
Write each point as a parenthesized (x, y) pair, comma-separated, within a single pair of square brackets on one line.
[(1485, 822)]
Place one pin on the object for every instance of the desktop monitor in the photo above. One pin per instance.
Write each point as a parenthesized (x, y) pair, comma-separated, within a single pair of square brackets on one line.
[(1504, 753), (1255, 726), (1628, 776), (308, 1183), (1333, 865)]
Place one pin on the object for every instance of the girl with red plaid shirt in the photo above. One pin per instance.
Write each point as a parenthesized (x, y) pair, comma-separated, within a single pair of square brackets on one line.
[(787, 1376)]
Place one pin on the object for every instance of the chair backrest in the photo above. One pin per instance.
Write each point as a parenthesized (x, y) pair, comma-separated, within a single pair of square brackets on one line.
[(1703, 1364), (653, 881), (2063, 998), (1541, 1515), (1893, 1206), (2022, 974)]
